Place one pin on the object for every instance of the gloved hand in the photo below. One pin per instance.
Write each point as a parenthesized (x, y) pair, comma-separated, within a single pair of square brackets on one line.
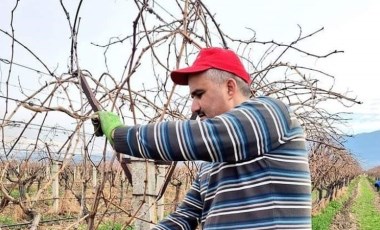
[(105, 122)]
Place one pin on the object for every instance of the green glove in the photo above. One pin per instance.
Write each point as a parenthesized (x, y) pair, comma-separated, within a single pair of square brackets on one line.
[(108, 122)]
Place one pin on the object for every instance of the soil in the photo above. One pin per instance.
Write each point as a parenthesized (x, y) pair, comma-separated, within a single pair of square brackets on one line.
[(345, 219)]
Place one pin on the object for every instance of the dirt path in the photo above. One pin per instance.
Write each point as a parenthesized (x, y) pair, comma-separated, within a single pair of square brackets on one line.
[(345, 219)]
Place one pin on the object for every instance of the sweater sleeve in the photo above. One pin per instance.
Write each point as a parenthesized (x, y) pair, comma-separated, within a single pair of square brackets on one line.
[(251, 129), (188, 214)]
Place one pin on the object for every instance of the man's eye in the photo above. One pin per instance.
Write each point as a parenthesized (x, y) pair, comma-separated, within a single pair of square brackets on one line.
[(198, 94)]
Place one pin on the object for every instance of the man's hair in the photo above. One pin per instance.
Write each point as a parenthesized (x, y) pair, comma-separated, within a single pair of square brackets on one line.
[(220, 76)]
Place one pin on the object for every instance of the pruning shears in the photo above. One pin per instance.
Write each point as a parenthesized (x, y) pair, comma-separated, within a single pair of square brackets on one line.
[(95, 105)]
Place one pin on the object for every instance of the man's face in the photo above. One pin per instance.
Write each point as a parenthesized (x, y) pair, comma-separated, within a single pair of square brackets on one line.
[(209, 98)]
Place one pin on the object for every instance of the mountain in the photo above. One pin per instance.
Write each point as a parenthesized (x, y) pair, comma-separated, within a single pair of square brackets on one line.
[(366, 148)]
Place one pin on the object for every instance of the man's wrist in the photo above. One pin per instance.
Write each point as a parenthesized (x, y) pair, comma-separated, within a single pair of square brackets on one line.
[(113, 134)]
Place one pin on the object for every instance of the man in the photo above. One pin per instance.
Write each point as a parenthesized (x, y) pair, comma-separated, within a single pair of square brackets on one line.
[(256, 173), (377, 185)]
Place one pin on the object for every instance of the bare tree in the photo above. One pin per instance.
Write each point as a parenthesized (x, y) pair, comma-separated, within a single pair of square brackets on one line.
[(55, 113)]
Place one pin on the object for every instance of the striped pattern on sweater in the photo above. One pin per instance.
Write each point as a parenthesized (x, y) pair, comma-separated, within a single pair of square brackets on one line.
[(256, 174)]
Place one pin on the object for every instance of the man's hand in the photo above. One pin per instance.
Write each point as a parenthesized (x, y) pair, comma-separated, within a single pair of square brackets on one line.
[(105, 122)]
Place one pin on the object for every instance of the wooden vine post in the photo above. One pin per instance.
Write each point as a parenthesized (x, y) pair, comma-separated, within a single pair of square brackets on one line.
[(55, 185), (143, 193)]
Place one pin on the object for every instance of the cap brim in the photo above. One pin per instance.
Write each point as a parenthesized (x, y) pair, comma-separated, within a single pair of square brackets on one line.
[(180, 76)]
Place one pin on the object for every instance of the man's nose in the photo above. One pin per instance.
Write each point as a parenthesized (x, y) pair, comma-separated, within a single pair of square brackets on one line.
[(195, 107)]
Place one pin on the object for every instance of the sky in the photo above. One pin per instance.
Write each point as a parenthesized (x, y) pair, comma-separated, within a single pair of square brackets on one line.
[(349, 25)]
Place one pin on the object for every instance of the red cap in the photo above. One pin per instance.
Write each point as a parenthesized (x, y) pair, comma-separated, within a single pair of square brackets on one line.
[(212, 58)]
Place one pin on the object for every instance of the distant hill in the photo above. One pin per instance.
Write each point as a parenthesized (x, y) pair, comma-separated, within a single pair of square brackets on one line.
[(366, 148)]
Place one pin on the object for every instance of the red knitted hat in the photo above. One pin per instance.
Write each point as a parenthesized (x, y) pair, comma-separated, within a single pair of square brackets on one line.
[(216, 58)]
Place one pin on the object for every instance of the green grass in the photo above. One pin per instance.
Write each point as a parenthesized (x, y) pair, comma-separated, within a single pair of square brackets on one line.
[(108, 225), (371, 180), (15, 193), (5, 220), (367, 215), (325, 218)]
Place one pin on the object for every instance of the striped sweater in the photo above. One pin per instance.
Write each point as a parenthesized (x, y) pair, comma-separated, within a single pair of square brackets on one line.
[(256, 173)]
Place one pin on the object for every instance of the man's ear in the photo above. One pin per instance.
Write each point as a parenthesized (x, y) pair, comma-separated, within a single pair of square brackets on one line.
[(231, 87)]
